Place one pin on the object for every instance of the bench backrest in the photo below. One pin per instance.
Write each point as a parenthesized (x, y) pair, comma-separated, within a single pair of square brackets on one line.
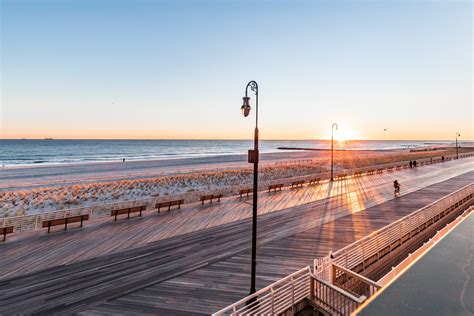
[(7, 230), (54, 222), (170, 203), (138, 208), (127, 210), (78, 218)]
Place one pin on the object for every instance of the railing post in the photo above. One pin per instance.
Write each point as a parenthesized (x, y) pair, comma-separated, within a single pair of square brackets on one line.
[(363, 254), (378, 245), (311, 284), (36, 222), (273, 302), (332, 273), (292, 296)]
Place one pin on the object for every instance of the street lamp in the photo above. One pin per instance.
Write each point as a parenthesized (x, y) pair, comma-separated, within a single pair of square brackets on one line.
[(332, 150), (457, 153), (253, 158)]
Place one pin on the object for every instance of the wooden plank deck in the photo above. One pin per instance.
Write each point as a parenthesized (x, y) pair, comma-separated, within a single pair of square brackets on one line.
[(77, 286), (28, 252), (217, 285)]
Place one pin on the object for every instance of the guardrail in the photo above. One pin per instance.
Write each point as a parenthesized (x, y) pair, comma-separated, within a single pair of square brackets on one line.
[(368, 250), (283, 295), (33, 222), (395, 271), (334, 287), (353, 282)]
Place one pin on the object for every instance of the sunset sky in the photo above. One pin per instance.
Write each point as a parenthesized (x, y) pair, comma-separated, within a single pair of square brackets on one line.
[(178, 69)]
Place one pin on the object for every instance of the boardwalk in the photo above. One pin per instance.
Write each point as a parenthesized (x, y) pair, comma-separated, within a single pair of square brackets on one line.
[(207, 266)]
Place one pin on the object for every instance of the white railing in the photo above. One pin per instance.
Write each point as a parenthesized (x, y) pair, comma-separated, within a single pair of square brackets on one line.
[(286, 293), (395, 271), (334, 300), (353, 282), (32, 222), (370, 248), (333, 286)]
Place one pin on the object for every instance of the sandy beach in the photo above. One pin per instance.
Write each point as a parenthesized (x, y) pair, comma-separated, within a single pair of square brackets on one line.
[(38, 189)]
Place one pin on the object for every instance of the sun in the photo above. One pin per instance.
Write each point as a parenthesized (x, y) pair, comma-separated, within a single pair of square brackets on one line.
[(345, 133)]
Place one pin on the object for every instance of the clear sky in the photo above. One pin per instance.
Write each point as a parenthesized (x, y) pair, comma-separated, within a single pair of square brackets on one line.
[(178, 69)]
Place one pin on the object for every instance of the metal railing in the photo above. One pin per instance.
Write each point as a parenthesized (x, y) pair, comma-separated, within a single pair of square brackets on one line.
[(284, 294), (371, 248), (335, 300), (33, 222), (334, 287), (395, 271), (353, 282)]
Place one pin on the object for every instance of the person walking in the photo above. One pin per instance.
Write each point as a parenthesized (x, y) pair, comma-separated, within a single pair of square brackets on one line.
[(411, 164), (396, 187), (414, 163)]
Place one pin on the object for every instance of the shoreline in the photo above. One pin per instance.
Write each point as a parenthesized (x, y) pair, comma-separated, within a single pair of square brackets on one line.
[(44, 189), (230, 156)]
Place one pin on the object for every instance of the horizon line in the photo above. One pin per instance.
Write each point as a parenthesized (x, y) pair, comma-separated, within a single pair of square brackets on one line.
[(238, 139)]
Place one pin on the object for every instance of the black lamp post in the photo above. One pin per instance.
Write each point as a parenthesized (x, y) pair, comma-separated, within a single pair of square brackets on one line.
[(332, 150), (457, 153), (253, 158)]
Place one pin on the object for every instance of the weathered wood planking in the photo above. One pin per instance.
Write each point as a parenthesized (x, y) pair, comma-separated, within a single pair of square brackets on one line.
[(38, 251), (207, 268)]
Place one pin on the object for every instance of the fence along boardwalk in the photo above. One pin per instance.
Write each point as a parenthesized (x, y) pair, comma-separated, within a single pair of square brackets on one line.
[(208, 268), (351, 195)]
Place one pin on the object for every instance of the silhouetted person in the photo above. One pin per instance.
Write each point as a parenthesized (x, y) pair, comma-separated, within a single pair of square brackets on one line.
[(123, 160), (411, 164), (442, 158), (414, 163), (396, 186)]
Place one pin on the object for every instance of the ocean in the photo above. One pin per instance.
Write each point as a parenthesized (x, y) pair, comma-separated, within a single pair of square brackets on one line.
[(29, 152)]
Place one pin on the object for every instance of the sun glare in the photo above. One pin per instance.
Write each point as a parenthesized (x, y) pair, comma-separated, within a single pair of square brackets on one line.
[(345, 133)]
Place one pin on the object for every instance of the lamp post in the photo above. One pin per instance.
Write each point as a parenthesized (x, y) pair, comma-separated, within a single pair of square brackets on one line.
[(457, 153), (253, 158), (332, 150)]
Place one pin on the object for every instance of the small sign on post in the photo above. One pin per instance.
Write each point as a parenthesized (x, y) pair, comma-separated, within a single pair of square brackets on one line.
[(253, 156)]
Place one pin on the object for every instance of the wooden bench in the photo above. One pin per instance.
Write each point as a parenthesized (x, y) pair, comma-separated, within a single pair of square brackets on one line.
[(169, 204), (297, 184), (398, 167), (211, 197), (380, 170), (390, 169), (341, 176), (6, 230), (275, 187), (358, 173), (370, 171), (245, 191), (128, 211), (314, 181), (64, 221)]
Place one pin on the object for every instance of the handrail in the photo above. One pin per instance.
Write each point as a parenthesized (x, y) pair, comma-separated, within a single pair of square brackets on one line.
[(396, 270), (358, 276), (282, 295), (33, 222), (357, 252), (305, 270)]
